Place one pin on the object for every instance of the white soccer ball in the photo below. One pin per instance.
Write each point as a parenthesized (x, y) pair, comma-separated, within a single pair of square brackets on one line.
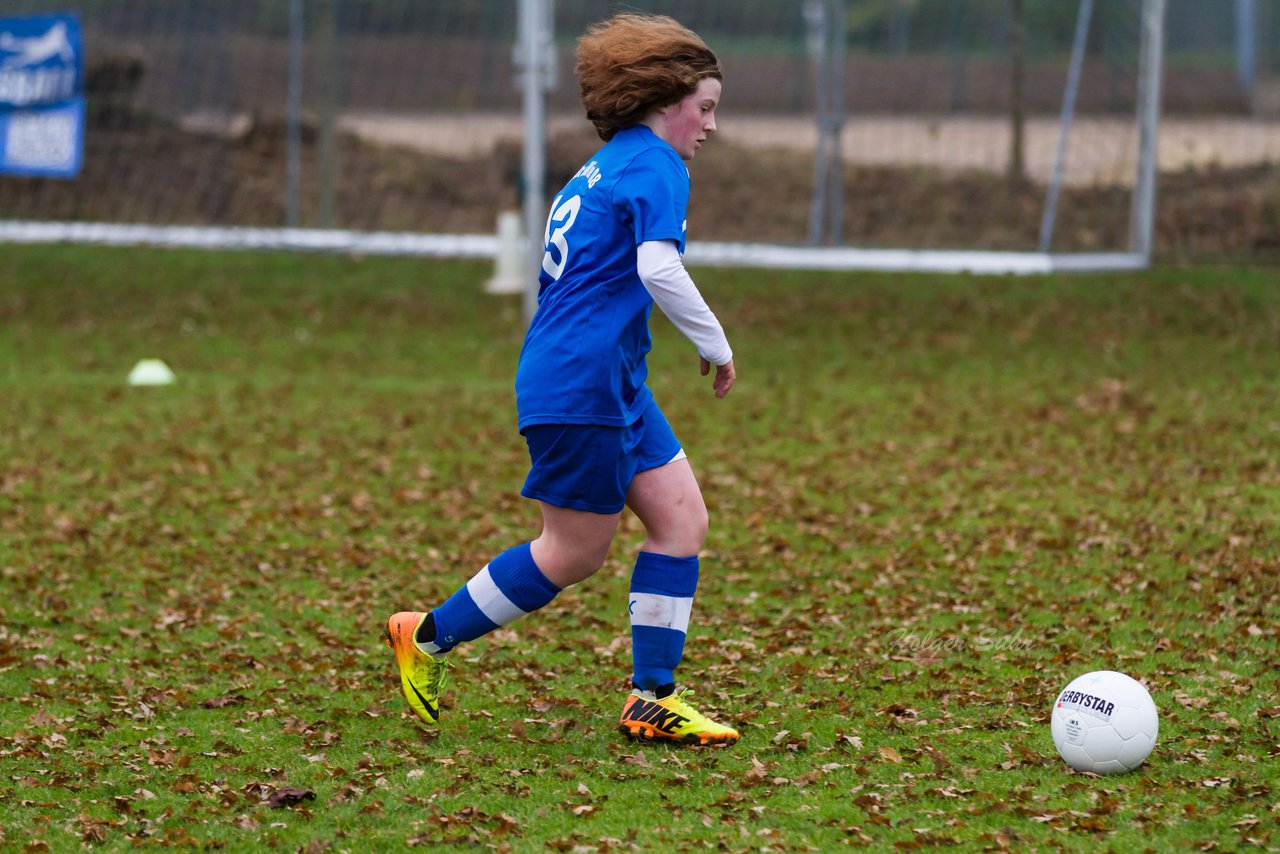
[(1104, 722)]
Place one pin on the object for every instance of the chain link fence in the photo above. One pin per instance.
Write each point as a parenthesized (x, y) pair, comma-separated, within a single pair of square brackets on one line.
[(405, 116)]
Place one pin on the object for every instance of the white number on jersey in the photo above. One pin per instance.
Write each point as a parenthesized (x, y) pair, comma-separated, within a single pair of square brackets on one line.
[(563, 216)]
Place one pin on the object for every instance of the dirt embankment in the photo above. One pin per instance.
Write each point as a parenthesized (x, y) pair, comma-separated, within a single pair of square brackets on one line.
[(755, 183)]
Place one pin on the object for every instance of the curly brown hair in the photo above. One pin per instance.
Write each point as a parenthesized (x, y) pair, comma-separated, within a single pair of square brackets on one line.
[(631, 64)]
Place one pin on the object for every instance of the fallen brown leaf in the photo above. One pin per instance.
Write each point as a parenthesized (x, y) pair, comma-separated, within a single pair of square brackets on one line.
[(287, 796)]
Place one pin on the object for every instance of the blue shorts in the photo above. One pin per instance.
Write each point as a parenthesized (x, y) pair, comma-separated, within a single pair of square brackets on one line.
[(589, 467)]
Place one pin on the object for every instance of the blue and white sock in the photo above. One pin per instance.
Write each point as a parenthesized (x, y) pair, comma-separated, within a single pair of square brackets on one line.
[(509, 586), (662, 589)]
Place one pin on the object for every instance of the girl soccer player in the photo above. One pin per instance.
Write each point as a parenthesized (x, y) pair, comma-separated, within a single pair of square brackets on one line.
[(597, 440)]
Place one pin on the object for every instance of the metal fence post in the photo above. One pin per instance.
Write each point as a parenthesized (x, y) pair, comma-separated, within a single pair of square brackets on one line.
[(293, 155), (1247, 44), (835, 90), (826, 24), (329, 68), (1151, 54), (816, 19)]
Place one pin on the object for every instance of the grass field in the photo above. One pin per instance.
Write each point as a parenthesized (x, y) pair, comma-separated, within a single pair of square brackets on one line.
[(934, 502)]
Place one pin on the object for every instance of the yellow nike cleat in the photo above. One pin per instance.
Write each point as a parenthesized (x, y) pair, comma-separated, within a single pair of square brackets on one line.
[(647, 718), (422, 676)]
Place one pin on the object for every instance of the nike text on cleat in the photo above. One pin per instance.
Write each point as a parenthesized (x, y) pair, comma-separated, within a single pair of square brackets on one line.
[(421, 676), (671, 719)]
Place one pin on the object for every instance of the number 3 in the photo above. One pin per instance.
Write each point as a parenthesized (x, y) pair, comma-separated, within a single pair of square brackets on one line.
[(563, 216)]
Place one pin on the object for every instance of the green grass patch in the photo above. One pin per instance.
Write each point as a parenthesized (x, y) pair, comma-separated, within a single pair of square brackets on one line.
[(935, 501)]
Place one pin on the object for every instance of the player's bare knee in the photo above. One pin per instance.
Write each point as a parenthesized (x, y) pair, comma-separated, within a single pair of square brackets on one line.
[(579, 570), (701, 524), (694, 526), (682, 538), (565, 561)]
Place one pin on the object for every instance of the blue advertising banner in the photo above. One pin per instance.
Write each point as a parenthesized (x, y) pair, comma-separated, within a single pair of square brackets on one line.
[(41, 96)]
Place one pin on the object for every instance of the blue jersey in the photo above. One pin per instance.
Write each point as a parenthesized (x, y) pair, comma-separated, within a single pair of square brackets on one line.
[(583, 360)]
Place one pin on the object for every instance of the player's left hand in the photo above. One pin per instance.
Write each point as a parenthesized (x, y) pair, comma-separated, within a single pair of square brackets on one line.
[(725, 375)]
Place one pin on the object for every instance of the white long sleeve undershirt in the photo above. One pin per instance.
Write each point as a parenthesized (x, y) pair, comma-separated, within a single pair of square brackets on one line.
[(665, 278)]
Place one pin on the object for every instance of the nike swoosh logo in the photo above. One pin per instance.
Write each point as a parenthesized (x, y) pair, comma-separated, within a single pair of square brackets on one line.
[(631, 609), (431, 710)]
